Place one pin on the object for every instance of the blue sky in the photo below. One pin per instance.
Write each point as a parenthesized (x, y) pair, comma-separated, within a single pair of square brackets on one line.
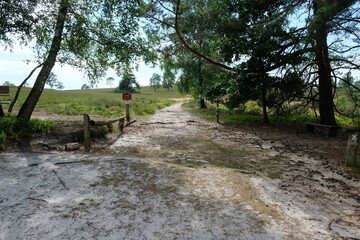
[(14, 68)]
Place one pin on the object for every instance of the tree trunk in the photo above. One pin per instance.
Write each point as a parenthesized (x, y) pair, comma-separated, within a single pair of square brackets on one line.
[(202, 103), (2, 114), (28, 107), (326, 103), (201, 84), (264, 104)]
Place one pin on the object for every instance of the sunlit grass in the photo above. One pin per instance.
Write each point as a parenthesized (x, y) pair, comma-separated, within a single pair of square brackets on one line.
[(100, 101), (252, 114)]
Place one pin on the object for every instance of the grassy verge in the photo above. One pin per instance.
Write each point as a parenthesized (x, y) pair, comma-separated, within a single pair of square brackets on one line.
[(252, 115), (12, 128)]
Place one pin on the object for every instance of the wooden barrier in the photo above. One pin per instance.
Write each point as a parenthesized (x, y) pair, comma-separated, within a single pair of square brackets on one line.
[(87, 133), (109, 125), (332, 130)]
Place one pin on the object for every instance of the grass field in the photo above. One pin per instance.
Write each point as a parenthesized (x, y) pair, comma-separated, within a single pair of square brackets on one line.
[(252, 114), (100, 101)]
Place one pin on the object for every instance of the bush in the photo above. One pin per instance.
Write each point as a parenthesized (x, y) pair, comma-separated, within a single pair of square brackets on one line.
[(14, 128), (2, 140)]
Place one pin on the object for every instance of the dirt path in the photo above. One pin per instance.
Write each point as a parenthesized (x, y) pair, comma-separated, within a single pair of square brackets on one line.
[(296, 177), (179, 177)]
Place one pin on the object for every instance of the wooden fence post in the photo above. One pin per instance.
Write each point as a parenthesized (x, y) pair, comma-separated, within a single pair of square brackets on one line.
[(87, 133), (351, 151), (127, 111), (121, 125)]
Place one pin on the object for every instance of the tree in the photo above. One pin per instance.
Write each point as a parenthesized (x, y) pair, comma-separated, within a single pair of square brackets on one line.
[(169, 74), (59, 85), (195, 75), (109, 81), (85, 87), (259, 39), (128, 83), (92, 36), (35, 93), (324, 13), (17, 18), (52, 81), (155, 81), (7, 83)]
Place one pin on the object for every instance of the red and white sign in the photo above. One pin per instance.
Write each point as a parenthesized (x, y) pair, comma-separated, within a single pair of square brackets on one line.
[(126, 96)]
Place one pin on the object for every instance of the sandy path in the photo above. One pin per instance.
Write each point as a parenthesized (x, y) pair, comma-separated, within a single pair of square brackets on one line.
[(175, 192), (312, 199)]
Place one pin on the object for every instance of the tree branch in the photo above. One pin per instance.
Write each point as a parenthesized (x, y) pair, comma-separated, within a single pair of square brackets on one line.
[(20, 87), (187, 46)]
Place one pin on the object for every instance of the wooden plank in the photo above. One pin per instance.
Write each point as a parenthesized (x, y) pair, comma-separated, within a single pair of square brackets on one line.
[(332, 129)]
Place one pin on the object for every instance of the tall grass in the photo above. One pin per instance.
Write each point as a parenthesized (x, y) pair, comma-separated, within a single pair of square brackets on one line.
[(100, 101)]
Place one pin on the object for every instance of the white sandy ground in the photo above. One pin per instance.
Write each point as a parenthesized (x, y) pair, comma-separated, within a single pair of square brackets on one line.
[(110, 197), (92, 196)]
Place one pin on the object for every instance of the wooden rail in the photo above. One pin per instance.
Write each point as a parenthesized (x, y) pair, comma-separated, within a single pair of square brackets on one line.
[(332, 130), (109, 124)]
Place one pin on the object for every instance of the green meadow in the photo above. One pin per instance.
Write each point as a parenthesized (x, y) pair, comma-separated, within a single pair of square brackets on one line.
[(100, 101)]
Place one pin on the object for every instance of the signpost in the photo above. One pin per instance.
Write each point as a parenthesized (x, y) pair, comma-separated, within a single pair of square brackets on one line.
[(127, 97)]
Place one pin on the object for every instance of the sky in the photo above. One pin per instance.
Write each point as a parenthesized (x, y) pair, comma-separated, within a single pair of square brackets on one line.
[(14, 69)]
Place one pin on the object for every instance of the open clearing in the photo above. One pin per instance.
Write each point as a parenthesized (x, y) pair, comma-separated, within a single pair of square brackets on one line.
[(179, 177)]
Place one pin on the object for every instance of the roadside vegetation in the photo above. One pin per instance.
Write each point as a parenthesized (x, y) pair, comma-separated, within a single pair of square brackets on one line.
[(251, 113), (12, 128), (101, 102)]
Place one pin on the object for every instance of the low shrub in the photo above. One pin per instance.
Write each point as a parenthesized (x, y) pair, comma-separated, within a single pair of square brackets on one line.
[(14, 128), (3, 139)]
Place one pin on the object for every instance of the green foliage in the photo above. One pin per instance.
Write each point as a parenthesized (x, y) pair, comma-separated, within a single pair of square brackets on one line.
[(348, 100), (7, 83), (14, 128), (248, 113), (3, 138), (17, 18), (127, 84), (169, 72), (155, 81), (101, 101), (85, 86), (52, 82)]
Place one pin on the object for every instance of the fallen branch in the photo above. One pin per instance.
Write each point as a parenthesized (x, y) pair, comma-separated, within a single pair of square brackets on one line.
[(61, 181), (244, 171), (130, 123), (153, 123), (102, 123), (329, 226), (63, 163), (36, 199)]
